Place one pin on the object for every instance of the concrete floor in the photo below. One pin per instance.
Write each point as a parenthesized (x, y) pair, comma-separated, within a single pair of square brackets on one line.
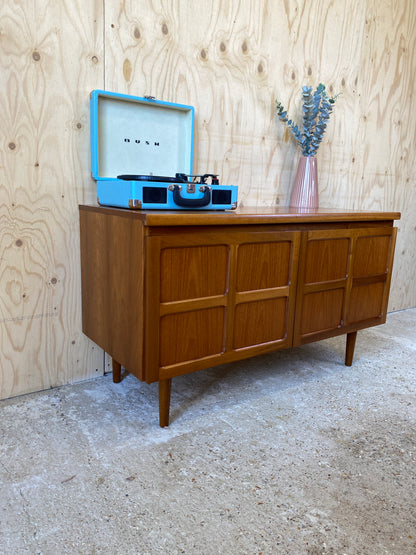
[(290, 452)]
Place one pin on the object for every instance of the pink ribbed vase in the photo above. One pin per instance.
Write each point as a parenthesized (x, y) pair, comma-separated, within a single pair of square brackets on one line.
[(305, 188)]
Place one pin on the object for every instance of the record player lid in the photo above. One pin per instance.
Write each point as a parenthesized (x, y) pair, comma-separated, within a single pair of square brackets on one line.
[(139, 136)]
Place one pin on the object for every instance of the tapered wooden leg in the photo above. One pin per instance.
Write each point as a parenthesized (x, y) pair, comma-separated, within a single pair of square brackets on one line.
[(164, 402), (349, 352), (116, 372)]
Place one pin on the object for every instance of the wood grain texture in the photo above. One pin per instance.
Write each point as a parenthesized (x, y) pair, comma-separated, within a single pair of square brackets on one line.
[(353, 291), (260, 322), (263, 265), (239, 57), (110, 268), (327, 260), (284, 304), (187, 264), (191, 335), (51, 57), (228, 59)]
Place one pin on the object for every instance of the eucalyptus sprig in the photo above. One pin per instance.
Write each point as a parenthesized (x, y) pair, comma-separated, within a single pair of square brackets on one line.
[(317, 108)]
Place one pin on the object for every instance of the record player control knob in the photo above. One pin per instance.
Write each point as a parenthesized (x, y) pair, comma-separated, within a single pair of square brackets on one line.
[(214, 178)]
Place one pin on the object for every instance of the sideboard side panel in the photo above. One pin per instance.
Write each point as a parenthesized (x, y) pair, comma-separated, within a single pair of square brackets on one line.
[(112, 286)]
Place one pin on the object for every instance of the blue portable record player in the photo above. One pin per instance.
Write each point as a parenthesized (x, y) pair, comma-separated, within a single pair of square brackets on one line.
[(135, 139)]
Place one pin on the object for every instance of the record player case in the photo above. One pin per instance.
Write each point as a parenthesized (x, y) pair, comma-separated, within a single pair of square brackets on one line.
[(142, 156), (167, 293)]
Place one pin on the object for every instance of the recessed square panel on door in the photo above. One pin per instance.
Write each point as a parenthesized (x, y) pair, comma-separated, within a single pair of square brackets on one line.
[(366, 302), (322, 311), (260, 322), (193, 272), (188, 336), (326, 260), (263, 265), (371, 255)]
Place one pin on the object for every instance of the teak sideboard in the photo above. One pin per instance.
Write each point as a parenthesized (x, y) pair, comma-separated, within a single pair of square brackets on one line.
[(166, 293)]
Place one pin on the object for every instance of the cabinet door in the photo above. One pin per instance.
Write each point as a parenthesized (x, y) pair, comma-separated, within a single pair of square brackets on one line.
[(217, 296), (264, 296), (344, 281), (371, 269)]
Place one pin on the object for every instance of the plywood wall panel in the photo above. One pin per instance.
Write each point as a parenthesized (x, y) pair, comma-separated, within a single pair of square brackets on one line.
[(386, 131), (239, 57), (212, 58), (50, 53), (229, 59)]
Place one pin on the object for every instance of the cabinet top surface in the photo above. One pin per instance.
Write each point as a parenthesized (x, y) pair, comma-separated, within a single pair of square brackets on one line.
[(245, 215)]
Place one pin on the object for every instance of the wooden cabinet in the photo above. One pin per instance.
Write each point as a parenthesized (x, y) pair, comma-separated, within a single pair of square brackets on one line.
[(169, 293)]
